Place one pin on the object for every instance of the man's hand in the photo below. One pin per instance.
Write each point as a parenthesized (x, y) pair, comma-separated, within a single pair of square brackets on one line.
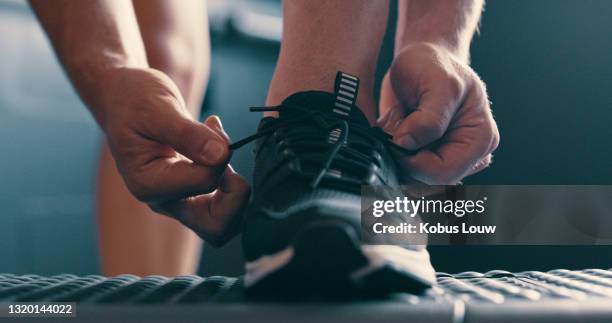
[(168, 160), (175, 164), (432, 101)]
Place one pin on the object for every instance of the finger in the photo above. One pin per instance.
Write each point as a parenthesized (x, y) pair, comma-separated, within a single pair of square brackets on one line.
[(170, 178), (473, 136), (428, 122), (391, 120), (192, 139), (452, 160), (216, 217)]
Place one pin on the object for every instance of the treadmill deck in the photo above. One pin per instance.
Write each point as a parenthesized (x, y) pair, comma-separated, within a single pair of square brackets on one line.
[(494, 296)]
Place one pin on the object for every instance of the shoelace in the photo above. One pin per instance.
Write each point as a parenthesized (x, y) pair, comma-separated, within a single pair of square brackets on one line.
[(326, 122)]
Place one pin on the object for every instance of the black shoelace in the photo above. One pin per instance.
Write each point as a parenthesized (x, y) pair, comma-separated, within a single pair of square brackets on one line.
[(329, 123)]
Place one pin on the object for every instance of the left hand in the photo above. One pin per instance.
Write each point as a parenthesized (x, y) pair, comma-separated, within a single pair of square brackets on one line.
[(432, 101)]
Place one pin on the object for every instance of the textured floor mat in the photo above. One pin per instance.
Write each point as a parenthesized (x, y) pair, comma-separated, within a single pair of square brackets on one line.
[(495, 287)]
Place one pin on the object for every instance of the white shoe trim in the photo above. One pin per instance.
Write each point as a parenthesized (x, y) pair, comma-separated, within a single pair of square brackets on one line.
[(407, 260), (258, 269)]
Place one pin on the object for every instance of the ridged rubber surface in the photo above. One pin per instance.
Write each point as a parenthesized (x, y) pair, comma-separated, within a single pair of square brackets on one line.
[(493, 287)]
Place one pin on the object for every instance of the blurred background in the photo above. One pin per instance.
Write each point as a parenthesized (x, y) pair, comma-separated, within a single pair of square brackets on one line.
[(547, 65)]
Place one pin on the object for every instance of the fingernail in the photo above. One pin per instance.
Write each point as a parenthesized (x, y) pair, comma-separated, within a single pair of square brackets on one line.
[(395, 124), (214, 122), (394, 119), (217, 122), (214, 151), (407, 142), (383, 119), (386, 120)]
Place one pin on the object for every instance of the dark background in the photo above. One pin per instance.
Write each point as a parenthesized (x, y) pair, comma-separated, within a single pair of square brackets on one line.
[(547, 65)]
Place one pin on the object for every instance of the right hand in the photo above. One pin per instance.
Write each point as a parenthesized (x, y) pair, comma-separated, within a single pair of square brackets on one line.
[(433, 101), (175, 164)]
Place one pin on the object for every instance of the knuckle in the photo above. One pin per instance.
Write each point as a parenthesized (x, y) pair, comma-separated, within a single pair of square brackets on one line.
[(169, 99), (480, 91), (490, 133), (183, 130), (487, 131), (455, 86), (434, 127), (495, 139)]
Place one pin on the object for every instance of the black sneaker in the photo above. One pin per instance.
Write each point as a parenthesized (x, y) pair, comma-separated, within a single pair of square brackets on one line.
[(302, 229)]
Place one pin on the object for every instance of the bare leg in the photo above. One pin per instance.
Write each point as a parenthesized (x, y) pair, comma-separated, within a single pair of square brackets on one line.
[(322, 37), (134, 239)]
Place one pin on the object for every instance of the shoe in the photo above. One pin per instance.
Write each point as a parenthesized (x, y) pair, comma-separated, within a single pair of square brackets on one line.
[(301, 233)]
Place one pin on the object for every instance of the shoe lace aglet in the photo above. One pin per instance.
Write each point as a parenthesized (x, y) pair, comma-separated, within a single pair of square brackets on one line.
[(265, 109)]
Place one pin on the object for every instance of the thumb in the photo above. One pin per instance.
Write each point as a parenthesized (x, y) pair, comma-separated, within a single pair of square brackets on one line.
[(194, 140), (214, 123)]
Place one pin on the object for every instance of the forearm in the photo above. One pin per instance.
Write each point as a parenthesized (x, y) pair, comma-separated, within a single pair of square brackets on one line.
[(92, 38), (447, 23)]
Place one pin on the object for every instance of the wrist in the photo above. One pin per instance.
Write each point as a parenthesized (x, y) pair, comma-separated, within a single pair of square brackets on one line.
[(94, 70), (441, 45), (99, 86), (447, 24), (128, 94)]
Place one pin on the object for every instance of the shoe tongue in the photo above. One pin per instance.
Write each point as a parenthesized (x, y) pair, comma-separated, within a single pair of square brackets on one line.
[(318, 101)]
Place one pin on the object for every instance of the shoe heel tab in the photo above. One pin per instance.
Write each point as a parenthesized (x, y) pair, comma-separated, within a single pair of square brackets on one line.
[(346, 88)]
